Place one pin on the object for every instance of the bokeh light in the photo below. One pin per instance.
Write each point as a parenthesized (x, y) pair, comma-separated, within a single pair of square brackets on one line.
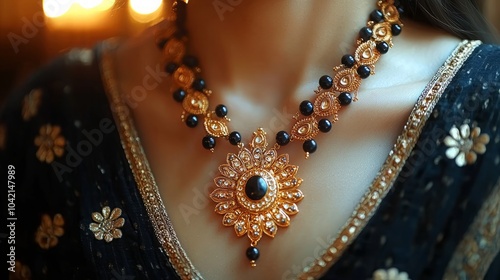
[(145, 7)]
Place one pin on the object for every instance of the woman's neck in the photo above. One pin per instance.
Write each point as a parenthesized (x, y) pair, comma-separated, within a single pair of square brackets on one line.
[(260, 44)]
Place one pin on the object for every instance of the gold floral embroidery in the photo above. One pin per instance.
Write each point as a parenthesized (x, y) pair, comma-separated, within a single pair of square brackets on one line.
[(107, 224), (3, 136), (49, 231), (22, 272), (390, 274), (464, 144), (50, 143), (31, 103)]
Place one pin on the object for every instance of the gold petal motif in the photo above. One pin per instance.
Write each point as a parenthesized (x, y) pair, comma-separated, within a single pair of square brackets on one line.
[(326, 104), (281, 218), (223, 182), (195, 103), (382, 32), (366, 53), (228, 172), (270, 227), (229, 219), (184, 76), (220, 195), (305, 129), (216, 128), (246, 158), (235, 163), (291, 195), (346, 80), (225, 207)]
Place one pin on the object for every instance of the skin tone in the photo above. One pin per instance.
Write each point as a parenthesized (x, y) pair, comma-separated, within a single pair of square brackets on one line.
[(261, 61)]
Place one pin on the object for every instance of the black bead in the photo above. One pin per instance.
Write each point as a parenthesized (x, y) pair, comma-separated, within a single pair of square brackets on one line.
[(324, 125), (171, 67), (310, 146), (345, 98), (190, 61), (161, 43), (325, 82), (282, 138), (256, 188), (208, 142), (179, 95), (192, 121), (396, 29), (365, 33), (348, 60), (377, 16), (198, 84), (252, 253), (364, 71), (306, 108), (383, 47), (221, 110), (234, 138)]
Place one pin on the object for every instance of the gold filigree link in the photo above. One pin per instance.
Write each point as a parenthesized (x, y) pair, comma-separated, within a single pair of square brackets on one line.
[(305, 129), (195, 103), (382, 32), (390, 12), (346, 80), (214, 127), (174, 50), (326, 104), (367, 53), (184, 76)]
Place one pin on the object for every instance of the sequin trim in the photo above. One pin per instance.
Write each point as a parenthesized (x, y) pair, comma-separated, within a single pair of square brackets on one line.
[(481, 243), (394, 162), (142, 172)]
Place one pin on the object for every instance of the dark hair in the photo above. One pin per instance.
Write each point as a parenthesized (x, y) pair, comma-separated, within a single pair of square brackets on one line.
[(462, 18)]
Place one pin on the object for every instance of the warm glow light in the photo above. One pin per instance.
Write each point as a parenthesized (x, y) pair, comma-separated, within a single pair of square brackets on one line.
[(106, 4), (56, 8), (89, 4), (145, 7)]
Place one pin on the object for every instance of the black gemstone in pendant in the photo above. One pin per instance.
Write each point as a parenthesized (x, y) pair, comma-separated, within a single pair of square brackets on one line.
[(348, 60), (282, 138), (221, 110), (364, 71), (208, 142), (192, 121), (179, 95), (324, 125), (253, 253), (234, 138), (365, 33), (306, 108), (345, 98), (325, 82), (310, 146), (383, 47), (256, 188)]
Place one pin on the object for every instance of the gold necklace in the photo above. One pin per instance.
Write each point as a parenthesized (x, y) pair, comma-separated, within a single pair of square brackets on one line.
[(257, 189)]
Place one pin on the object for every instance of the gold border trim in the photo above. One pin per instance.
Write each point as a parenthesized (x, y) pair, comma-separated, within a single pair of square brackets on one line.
[(142, 172), (480, 245), (394, 163)]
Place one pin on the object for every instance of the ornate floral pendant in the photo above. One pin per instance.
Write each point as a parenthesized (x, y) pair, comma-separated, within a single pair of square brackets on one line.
[(257, 191)]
